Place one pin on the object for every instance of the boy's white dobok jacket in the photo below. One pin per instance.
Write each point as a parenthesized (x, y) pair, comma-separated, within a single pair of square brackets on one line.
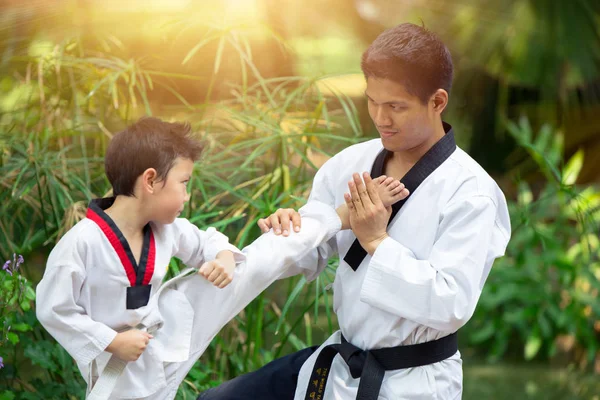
[(82, 299)]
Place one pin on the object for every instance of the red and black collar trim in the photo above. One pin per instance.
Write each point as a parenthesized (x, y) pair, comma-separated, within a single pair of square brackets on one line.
[(139, 275)]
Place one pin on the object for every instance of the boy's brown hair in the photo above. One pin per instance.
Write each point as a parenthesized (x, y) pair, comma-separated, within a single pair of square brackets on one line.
[(148, 143), (412, 56)]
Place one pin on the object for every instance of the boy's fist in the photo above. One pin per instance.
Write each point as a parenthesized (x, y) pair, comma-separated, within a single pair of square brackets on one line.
[(218, 272), (129, 345)]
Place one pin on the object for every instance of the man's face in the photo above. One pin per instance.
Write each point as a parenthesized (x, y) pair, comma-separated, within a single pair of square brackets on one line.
[(402, 120)]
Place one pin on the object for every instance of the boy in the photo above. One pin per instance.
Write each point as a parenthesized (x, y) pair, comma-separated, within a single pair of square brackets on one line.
[(102, 295)]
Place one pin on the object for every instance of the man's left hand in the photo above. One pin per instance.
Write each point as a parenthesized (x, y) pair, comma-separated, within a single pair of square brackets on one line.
[(368, 216)]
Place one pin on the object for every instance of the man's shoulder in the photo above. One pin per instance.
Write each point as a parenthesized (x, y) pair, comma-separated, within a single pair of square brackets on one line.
[(471, 176)]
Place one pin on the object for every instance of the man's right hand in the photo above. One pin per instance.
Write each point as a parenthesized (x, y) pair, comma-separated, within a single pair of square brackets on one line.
[(279, 221), (129, 345)]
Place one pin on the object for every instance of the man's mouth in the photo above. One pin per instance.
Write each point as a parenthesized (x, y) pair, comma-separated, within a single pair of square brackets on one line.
[(385, 133)]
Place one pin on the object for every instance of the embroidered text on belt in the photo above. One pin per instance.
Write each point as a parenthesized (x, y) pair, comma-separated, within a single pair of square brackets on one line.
[(370, 365)]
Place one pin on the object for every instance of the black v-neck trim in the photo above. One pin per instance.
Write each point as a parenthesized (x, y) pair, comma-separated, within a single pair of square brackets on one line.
[(428, 163)]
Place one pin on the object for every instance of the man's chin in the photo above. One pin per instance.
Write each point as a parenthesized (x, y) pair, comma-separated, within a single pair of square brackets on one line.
[(391, 145)]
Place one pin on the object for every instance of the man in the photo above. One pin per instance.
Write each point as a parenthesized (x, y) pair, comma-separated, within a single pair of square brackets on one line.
[(403, 289)]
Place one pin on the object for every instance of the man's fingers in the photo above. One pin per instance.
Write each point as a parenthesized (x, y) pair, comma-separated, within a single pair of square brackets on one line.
[(296, 221), (284, 218), (356, 199), (349, 203), (360, 188), (275, 224), (279, 221), (264, 224), (371, 189), (365, 197)]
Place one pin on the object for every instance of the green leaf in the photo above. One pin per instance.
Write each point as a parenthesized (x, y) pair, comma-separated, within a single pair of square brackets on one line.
[(12, 337), (291, 300), (483, 334), (40, 353), (21, 327), (532, 347), (572, 169), (6, 395)]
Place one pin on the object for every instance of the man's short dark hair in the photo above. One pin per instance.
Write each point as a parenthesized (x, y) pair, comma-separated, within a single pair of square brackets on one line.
[(412, 56), (148, 143)]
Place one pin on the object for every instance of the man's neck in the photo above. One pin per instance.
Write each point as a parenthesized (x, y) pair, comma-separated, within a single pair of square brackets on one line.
[(405, 159), (126, 213)]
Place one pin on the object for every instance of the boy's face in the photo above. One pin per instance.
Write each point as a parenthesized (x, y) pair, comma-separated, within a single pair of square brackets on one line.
[(171, 194), (402, 120)]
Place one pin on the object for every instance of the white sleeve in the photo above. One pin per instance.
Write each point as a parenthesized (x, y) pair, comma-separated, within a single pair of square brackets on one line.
[(58, 311), (442, 291), (315, 261), (266, 257), (194, 246)]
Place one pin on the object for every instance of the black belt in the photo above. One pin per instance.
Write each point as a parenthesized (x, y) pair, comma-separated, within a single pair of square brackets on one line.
[(370, 365)]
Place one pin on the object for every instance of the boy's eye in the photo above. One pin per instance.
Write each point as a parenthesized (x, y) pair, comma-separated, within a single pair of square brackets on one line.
[(185, 182)]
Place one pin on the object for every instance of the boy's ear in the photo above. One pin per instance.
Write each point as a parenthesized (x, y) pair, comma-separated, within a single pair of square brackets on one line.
[(149, 179)]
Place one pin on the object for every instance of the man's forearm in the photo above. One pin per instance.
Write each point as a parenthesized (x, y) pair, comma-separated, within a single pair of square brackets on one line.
[(342, 212)]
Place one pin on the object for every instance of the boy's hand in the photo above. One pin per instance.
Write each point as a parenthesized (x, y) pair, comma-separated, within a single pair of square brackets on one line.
[(129, 345), (219, 271)]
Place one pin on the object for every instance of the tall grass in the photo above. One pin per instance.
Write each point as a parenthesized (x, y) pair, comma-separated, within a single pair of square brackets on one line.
[(264, 143)]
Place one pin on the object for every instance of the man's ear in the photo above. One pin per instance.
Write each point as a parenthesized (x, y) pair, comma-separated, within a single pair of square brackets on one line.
[(439, 101), (149, 178)]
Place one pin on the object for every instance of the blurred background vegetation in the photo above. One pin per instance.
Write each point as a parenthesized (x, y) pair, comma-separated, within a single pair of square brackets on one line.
[(274, 88)]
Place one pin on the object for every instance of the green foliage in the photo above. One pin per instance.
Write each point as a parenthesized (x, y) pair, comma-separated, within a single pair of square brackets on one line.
[(23, 344), (263, 145), (547, 285), (264, 138)]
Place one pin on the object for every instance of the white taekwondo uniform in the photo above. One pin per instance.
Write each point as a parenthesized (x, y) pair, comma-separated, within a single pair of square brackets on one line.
[(423, 282), (93, 288)]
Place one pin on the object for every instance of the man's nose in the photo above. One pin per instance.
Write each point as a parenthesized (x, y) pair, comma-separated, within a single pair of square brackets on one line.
[(382, 117)]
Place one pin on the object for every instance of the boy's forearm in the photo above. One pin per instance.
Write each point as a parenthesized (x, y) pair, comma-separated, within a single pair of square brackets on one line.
[(342, 212)]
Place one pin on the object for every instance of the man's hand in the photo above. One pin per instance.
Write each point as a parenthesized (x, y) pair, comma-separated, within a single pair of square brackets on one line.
[(280, 221), (368, 215), (129, 345), (219, 271)]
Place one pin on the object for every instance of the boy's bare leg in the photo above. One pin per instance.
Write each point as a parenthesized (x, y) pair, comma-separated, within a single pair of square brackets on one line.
[(390, 191)]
